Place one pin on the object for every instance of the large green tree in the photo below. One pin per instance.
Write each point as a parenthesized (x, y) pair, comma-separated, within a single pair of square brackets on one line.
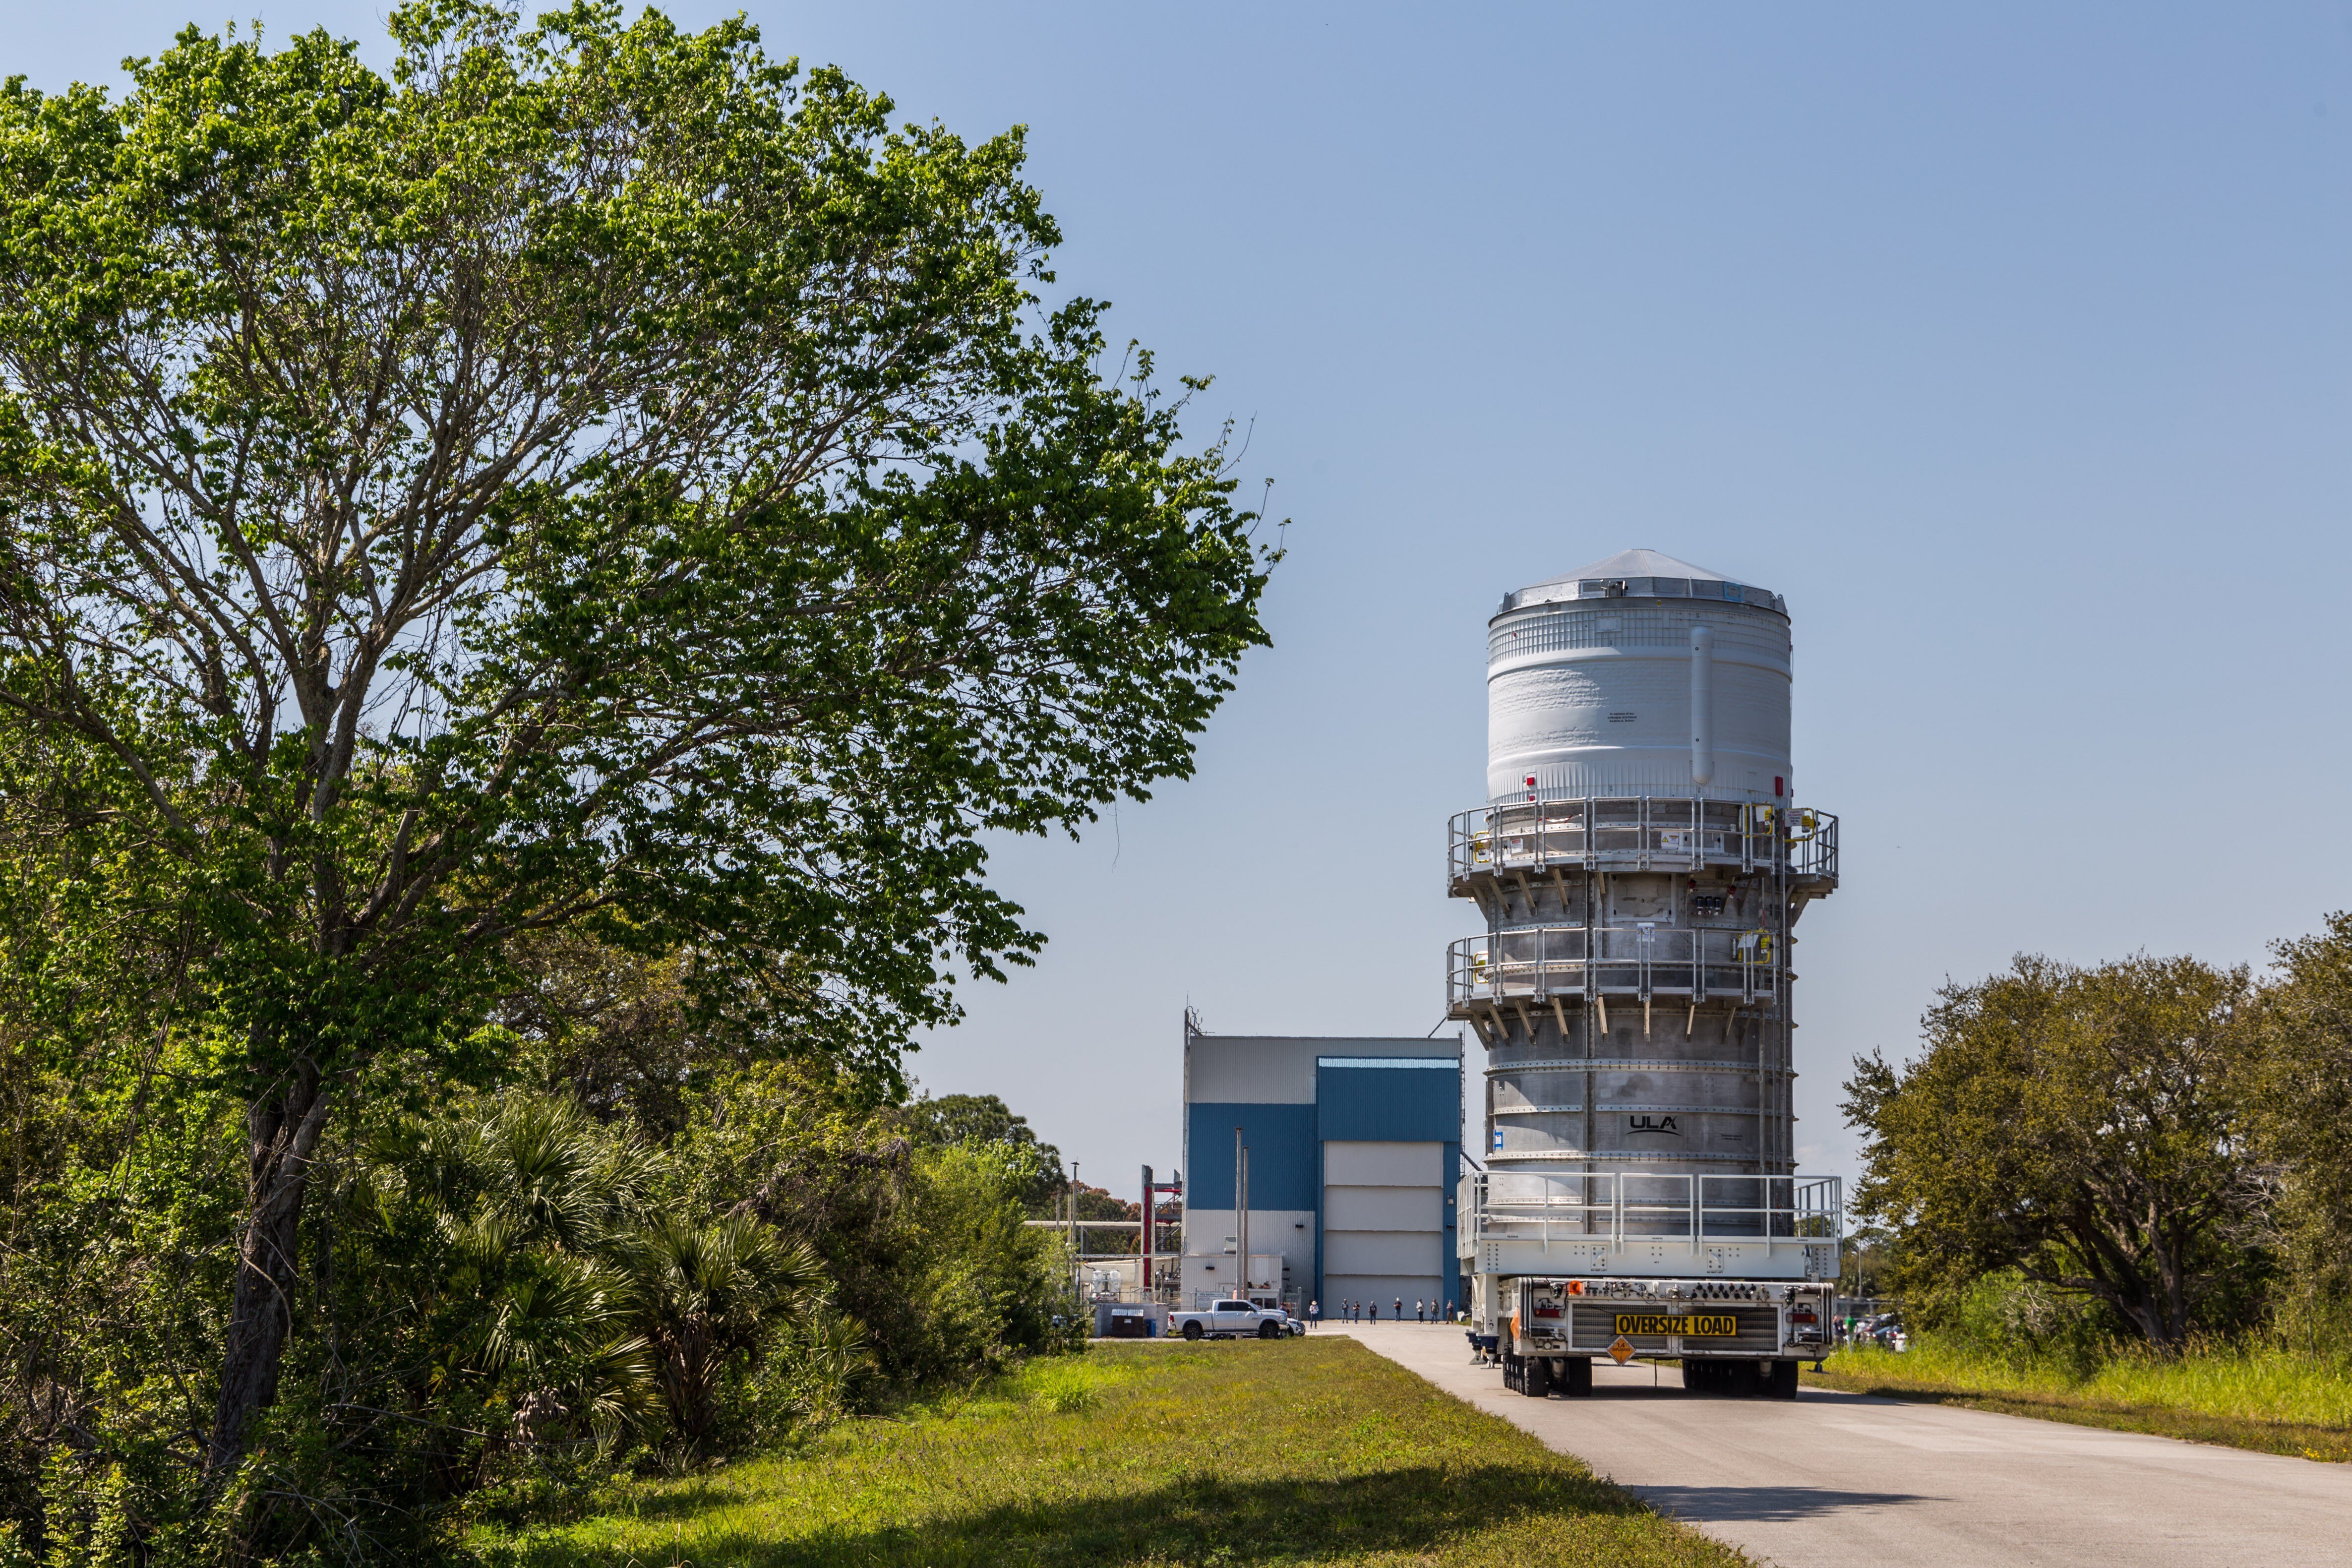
[(2305, 1120), (591, 477), (2090, 1127), (979, 1121)]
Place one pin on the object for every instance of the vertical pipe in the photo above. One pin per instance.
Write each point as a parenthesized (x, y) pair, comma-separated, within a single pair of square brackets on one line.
[(1241, 1207), (1144, 1278), (1244, 1225), (1702, 693)]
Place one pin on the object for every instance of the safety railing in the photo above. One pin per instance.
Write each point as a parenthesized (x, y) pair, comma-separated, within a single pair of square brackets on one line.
[(1535, 964), (1619, 1206), (1642, 833)]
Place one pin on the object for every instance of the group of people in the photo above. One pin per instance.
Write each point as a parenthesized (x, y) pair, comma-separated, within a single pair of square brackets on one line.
[(1355, 1311)]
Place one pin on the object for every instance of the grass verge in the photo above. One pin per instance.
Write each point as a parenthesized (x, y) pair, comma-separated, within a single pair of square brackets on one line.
[(2266, 1400), (1309, 1450)]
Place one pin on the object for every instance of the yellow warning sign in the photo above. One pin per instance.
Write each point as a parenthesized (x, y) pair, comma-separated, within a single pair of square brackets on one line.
[(1622, 1352)]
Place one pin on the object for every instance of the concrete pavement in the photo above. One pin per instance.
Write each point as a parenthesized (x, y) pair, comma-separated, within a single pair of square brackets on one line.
[(1844, 1480)]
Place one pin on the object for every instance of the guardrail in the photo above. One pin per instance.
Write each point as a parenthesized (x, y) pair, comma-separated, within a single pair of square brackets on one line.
[(1534, 963), (1642, 833), (1620, 1206)]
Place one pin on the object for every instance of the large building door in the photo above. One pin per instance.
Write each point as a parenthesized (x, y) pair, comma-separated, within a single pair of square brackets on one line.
[(1384, 1225)]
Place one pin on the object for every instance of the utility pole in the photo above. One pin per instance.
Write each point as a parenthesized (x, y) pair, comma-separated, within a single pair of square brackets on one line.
[(1076, 1267)]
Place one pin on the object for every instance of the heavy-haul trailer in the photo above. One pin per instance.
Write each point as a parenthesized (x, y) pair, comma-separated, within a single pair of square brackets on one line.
[(1641, 864), (1562, 1281)]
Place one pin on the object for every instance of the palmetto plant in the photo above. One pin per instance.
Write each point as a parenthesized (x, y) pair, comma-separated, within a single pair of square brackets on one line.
[(545, 1170), (553, 1330), (513, 1220), (706, 1292), (820, 1356), (563, 1304)]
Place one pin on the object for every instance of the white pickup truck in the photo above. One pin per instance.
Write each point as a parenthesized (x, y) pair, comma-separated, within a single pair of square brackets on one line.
[(1231, 1320)]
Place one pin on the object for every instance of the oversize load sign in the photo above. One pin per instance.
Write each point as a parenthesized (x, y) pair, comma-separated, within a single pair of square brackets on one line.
[(1696, 1326)]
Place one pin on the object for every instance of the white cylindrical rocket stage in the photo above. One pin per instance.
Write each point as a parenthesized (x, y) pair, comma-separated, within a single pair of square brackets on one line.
[(1593, 684), (1640, 863)]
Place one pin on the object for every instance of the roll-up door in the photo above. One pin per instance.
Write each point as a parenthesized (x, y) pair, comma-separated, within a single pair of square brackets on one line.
[(1383, 1224)]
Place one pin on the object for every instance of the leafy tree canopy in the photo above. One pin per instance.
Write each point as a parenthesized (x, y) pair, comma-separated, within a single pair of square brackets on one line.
[(972, 1119), (2306, 1123), (591, 477), (2088, 1128), (982, 1122)]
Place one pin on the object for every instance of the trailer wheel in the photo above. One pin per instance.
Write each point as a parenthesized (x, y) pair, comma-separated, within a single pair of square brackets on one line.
[(1702, 1375), (1780, 1380), (1576, 1377), (1192, 1330), (1273, 1331), (1537, 1379)]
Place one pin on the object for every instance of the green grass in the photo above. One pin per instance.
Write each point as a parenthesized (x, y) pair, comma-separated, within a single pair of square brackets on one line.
[(2267, 1400), (1308, 1450)]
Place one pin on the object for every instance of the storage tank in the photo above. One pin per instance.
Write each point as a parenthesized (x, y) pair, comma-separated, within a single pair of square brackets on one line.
[(1640, 863)]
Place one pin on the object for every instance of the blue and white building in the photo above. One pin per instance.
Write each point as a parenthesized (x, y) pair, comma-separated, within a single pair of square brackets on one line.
[(1355, 1146)]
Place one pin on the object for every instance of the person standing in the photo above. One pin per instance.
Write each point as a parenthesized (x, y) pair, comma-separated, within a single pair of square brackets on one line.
[(1376, 1311), (1314, 1313), (1400, 1308)]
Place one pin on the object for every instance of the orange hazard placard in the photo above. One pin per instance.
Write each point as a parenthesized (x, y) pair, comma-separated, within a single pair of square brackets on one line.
[(1622, 1352)]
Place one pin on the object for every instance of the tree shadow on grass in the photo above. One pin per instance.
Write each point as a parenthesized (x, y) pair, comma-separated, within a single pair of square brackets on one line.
[(1193, 1520)]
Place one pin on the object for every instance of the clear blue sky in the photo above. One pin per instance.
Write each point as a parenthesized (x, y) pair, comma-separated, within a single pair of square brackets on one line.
[(2010, 343)]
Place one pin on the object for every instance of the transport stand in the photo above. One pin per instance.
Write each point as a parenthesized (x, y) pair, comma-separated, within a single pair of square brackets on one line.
[(1735, 1277), (1574, 1249)]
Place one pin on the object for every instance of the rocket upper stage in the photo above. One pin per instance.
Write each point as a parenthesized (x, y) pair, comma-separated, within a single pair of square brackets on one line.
[(1639, 674)]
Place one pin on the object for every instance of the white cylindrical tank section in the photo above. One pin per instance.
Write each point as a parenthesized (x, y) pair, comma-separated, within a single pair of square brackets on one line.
[(1702, 704), (1639, 674), (1640, 863)]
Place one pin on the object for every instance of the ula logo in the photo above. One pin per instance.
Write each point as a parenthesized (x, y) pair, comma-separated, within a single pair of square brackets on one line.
[(1652, 1124)]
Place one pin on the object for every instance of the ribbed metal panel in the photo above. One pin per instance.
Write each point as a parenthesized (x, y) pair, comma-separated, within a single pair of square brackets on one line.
[(1392, 1104), (1597, 700), (1282, 1155)]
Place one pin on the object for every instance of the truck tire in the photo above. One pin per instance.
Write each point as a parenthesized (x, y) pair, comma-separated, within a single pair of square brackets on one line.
[(1192, 1330), (1779, 1380), (1576, 1377), (1534, 1381), (1273, 1331), (1703, 1375)]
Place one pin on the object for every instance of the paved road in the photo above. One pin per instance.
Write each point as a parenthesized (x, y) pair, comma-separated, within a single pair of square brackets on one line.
[(1844, 1480)]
